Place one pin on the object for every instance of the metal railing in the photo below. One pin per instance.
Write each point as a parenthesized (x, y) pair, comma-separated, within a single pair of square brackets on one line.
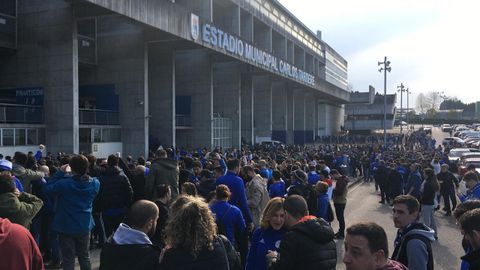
[(21, 114), (98, 117)]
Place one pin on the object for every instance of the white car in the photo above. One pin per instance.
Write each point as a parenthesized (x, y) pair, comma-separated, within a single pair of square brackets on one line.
[(446, 128), (455, 154)]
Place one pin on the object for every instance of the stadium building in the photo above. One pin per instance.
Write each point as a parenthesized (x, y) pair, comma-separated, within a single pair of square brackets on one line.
[(104, 76)]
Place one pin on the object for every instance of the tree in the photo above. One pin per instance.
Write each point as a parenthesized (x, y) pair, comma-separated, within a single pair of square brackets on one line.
[(421, 103), (429, 101)]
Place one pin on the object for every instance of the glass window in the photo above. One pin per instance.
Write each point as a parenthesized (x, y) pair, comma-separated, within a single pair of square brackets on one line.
[(97, 134), (20, 136), (85, 135), (32, 136), (8, 137), (111, 135), (41, 135)]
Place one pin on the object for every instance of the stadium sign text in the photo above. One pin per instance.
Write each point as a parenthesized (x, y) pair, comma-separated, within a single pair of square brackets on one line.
[(216, 38)]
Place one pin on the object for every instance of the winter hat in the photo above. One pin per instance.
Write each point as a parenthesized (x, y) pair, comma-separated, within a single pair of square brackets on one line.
[(5, 165), (299, 175)]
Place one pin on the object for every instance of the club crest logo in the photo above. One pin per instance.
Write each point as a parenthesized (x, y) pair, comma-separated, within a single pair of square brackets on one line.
[(194, 26)]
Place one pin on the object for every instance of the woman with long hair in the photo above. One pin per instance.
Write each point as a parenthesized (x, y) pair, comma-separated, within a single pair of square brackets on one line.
[(268, 236), (429, 188), (191, 239)]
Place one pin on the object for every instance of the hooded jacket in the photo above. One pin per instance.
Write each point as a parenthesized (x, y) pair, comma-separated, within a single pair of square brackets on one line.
[(18, 248), (75, 195), (308, 245), (162, 171), (257, 197), (129, 249), (21, 209), (413, 247)]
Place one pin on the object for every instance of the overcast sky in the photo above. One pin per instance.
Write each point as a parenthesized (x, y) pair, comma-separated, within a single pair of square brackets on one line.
[(433, 45)]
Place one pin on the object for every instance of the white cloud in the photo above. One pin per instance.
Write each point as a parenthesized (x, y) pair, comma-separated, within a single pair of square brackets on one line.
[(432, 45)]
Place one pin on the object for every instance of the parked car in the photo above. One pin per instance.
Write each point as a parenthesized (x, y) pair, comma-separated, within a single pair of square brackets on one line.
[(455, 154), (446, 128), (453, 141)]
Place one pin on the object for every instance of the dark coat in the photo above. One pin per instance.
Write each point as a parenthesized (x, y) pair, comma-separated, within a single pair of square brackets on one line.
[(162, 171), (309, 245), (115, 190), (447, 181), (129, 257), (396, 183), (180, 259)]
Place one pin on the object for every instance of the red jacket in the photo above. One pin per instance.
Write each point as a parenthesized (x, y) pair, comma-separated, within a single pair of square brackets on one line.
[(18, 248)]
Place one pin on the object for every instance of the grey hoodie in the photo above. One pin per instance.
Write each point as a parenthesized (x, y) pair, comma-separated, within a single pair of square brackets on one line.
[(417, 251)]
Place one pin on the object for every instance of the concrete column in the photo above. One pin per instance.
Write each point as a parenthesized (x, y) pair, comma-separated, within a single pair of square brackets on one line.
[(322, 118), (262, 106), (299, 117), (247, 108), (331, 117), (279, 111), (290, 115), (47, 57), (162, 94), (309, 118), (227, 96), (194, 76), (123, 61)]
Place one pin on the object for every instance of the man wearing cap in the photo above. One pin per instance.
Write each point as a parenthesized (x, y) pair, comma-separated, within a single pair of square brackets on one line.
[(6, 165), (448, 182), (300, 187)]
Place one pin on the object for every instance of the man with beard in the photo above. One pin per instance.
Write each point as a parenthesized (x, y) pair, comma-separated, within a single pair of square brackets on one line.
[(130, 246)]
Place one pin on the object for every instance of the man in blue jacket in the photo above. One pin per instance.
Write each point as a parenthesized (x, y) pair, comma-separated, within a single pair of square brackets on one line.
[(473, 187), (73, 218), (237, 187)]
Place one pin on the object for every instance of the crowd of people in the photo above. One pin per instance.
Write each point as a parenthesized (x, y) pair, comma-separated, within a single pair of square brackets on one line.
[(255, 208)]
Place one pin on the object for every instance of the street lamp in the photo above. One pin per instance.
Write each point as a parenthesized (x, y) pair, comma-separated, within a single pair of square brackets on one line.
[(401, 89), (386, 67), (408, 98)]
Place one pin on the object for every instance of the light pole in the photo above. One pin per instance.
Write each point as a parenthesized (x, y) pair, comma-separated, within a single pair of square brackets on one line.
[(386, 67), (401, 89), (408, 93)]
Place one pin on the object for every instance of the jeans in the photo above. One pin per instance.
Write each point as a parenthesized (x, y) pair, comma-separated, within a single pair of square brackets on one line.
[(75, 245), (428, 218), (339, 212)]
